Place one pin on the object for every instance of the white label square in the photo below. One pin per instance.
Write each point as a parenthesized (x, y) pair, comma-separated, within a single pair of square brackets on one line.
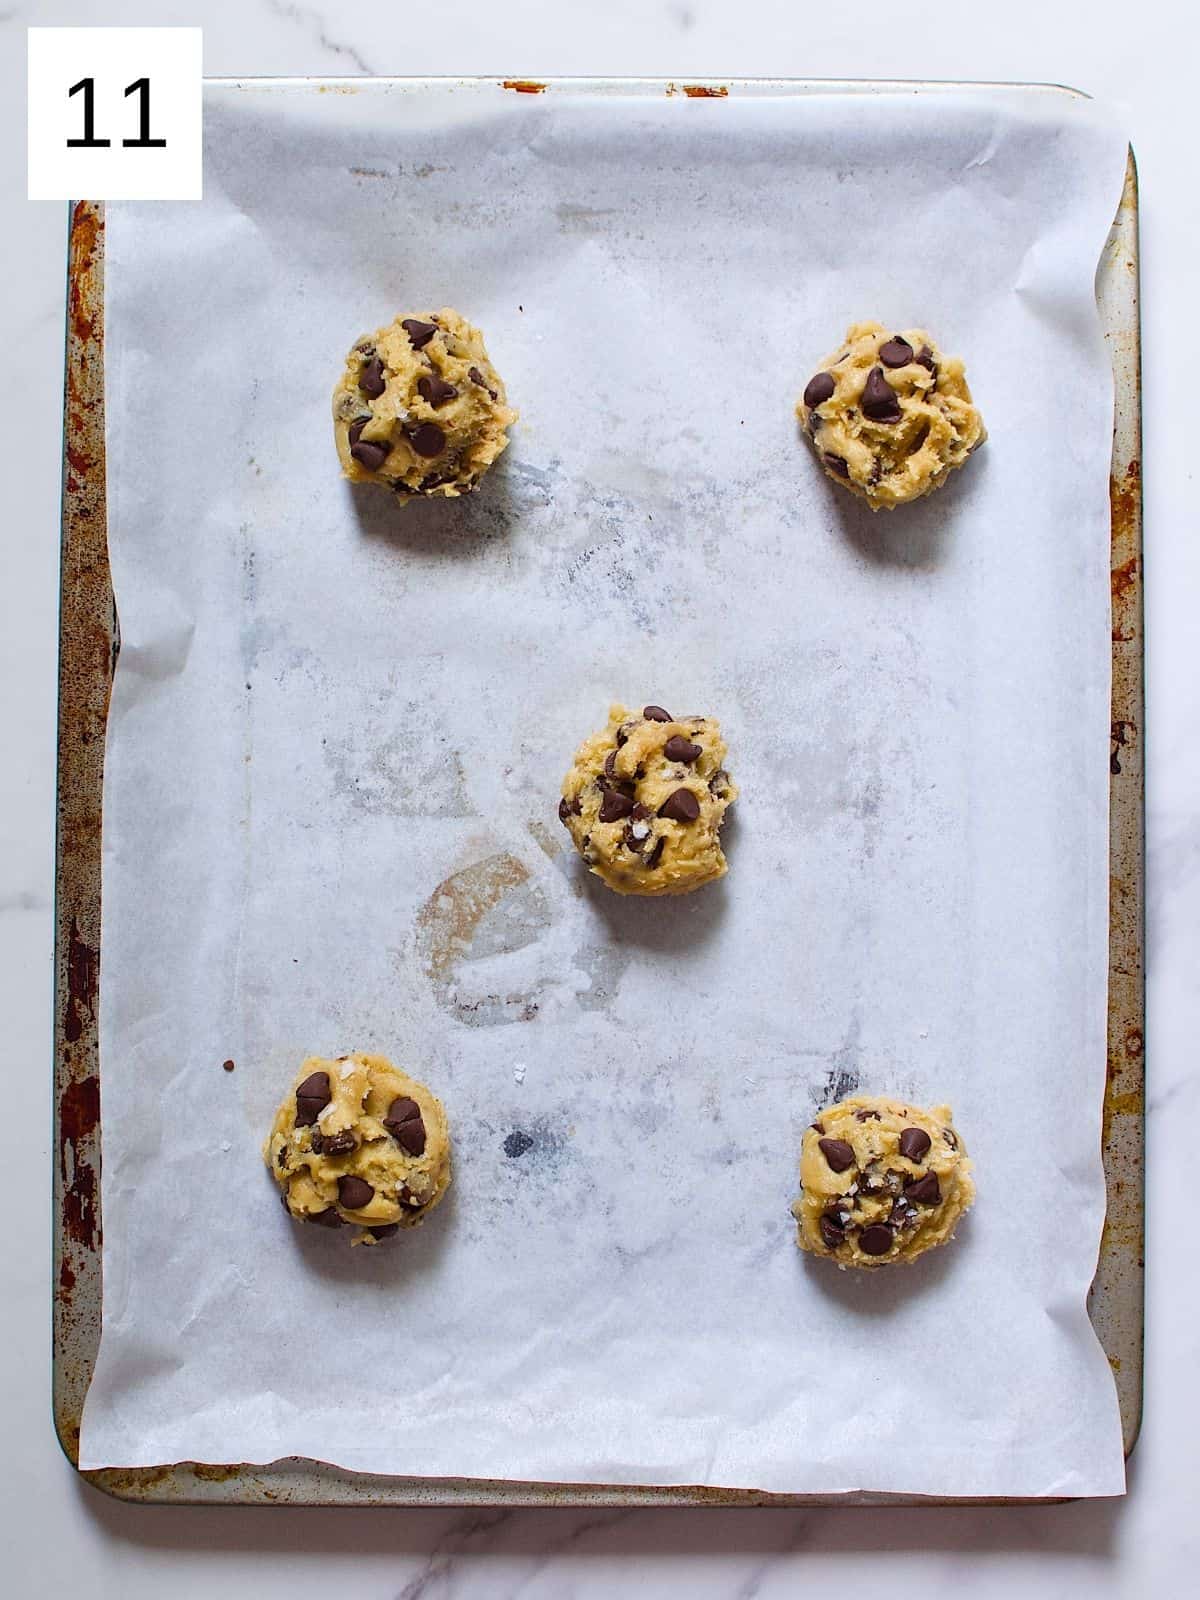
[(115, 114)]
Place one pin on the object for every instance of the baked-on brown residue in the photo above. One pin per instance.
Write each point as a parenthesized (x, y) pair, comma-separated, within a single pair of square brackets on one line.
[(1125, 495), (705, 91), (1120, 738), (448, 919), (86, 228), (524, 85), (212, 1473), (82, 979), (78, 1115), (78, 1118), (1123, 576)]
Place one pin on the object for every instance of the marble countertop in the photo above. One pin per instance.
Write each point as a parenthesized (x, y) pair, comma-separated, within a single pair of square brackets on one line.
[(59, 1533)]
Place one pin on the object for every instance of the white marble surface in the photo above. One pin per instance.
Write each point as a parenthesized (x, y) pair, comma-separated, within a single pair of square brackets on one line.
[(56, 1533)]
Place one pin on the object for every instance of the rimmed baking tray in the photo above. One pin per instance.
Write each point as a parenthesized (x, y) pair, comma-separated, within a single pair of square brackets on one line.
[(89, 642)]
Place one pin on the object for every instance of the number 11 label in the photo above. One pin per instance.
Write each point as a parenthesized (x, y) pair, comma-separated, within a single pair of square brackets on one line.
[(115, 114)]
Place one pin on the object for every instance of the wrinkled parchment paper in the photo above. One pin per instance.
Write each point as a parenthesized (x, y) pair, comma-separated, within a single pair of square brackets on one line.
[(338, 729)]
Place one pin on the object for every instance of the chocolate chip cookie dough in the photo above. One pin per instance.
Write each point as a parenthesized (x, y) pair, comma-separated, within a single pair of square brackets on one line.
[(645, 800), (883, 1182), (889, 415), (420, 408), (358, 1141)]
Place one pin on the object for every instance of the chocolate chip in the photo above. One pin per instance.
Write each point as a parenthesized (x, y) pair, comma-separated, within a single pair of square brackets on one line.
[(879, 401), (832, 1231), (837, 1152), (427, 439), (719, 783), (354, 1193), (656, 714), (655, 855), (639, 813), (436, 390), (334, 1144), (615, 805), (950, 1137), (407, 1198), (867, 1116), (836, 464), (371, 379), (926, 1191), (677, 748), (281, 1156), (925, 359), (819, 389), (419, 333), (477, 377), (410, 1136), (403, 1122), (386, 1232), (228, 1066), (875, 1240), (402, 1109), (610, 764), (897, 352), (312, 1097), (914, 1142), (372, 455), (681, 806), (516, 1144), (325, 1219), (819, 1126), (568, 808)]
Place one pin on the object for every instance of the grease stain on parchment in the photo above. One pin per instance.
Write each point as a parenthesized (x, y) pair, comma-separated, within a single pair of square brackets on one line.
[(494, 945), (603, 965), (490, 909), (582, 219), (614, 565), (393, 761), (547, 841), (535, 1142), (845, 1071)]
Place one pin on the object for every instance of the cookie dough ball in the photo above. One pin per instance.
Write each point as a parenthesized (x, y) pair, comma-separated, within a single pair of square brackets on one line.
[(645, 800), (882, 1181), (420, 408), (889, 415), (359, 1141)]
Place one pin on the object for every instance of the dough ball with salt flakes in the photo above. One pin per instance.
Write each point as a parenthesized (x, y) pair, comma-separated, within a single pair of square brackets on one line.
[(889, 415), (358, 1141), (420, 409), (882, 1182), (645, 799)]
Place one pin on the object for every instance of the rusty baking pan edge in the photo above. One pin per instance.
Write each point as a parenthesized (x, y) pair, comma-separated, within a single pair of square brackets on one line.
[(89, 642)]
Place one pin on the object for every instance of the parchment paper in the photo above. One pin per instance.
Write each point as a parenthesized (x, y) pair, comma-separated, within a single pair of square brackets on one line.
[(338, 729)]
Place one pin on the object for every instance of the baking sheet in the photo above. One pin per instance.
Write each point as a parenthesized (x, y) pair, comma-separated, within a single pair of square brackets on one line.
[(358, 850)]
